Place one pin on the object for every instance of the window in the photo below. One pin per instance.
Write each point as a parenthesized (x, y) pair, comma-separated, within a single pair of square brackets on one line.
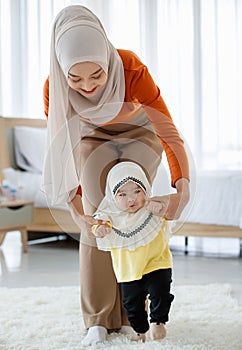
[(193, 49)]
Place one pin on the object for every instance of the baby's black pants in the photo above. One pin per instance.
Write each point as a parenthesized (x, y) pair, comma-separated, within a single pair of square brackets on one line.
[(157, 285)]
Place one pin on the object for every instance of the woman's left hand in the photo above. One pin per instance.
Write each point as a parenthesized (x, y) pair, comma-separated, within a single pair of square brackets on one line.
[(170, 206)]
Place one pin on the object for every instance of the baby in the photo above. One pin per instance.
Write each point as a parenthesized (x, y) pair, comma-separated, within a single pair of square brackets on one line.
[(139, 248)]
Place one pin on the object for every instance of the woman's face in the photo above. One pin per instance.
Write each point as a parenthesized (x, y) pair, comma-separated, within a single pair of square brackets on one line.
[(86, 78)]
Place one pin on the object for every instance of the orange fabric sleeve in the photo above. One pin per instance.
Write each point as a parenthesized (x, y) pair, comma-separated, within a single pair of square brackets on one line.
[(46, 97), (141, 87), (79, 191)]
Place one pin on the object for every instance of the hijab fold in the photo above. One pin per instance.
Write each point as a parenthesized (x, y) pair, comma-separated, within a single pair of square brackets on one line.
[(77, 36)]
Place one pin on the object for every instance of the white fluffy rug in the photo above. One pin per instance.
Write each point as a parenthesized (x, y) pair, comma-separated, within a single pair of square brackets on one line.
[(202, 317)]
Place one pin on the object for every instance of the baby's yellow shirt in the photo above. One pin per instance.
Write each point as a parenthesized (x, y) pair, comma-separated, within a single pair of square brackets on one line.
[(130, 265)]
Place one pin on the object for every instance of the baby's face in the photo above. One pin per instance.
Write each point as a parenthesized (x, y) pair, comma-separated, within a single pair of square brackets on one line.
[(130, 197)]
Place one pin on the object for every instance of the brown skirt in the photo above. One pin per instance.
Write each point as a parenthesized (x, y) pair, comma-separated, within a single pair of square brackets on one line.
[(101, 148)]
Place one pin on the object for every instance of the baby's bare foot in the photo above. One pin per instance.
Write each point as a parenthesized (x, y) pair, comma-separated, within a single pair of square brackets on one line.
[(139, 337), (157, 331)]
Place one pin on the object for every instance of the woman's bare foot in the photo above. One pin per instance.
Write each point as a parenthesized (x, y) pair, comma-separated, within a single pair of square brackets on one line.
[(157, 331), (138, 337)]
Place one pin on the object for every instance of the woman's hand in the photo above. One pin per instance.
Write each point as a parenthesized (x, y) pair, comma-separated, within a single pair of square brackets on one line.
[(82, 220), (90, 220), (170, 206)]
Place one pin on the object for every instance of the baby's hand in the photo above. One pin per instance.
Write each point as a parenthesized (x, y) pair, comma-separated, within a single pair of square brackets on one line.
[(102, 230)]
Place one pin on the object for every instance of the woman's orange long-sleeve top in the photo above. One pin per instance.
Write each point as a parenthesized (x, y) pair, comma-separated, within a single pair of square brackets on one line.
[(140, 88)]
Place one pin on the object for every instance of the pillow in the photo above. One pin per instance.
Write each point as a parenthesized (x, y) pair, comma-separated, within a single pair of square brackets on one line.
[(29, 146), (27, 185)]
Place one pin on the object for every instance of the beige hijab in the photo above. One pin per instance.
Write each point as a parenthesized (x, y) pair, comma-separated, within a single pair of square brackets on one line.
[(77, 36)]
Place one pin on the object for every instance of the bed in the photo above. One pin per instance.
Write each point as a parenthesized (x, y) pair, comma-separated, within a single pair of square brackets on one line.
[(216, 210), (45, 220)]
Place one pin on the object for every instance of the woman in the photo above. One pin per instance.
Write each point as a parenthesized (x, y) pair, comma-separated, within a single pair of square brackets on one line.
[(103, 108)]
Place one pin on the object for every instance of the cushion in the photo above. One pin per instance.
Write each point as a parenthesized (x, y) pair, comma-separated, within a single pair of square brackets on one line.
[(30, 144), (27, 185)]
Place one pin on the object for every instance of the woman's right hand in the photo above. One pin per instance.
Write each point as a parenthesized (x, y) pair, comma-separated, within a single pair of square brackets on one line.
[(91, 220), (82, 220)]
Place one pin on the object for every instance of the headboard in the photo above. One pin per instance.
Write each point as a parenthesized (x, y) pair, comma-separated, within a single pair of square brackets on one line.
[(7, 125)]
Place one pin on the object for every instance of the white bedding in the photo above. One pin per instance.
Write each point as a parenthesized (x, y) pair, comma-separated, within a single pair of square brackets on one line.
[(29, 148), (218, 199), (27, 185), (30, 144)]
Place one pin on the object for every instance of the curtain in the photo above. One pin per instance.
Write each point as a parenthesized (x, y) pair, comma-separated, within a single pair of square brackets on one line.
[(193, 49), (221, 83)]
